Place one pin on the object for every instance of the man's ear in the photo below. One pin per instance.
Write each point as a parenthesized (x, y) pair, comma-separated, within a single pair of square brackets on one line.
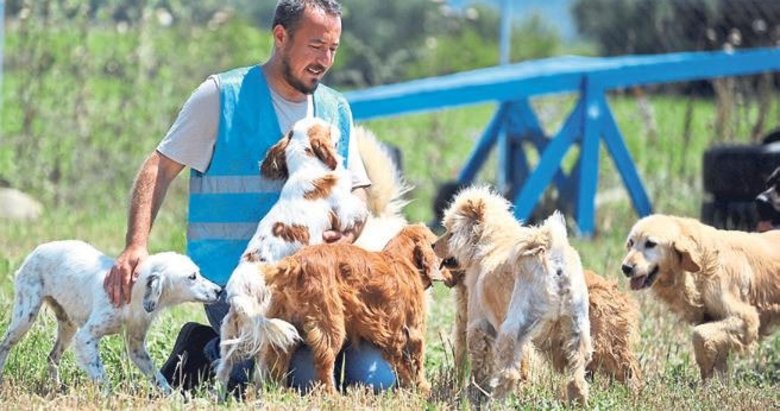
[(274, 165), (153, 291), (280, 36)]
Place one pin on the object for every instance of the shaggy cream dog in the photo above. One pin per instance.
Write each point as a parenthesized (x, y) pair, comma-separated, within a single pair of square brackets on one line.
[(525, 284), (726, 283), (614, 328)]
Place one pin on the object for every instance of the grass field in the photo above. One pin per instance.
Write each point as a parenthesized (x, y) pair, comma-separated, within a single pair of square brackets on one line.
[(434, 147)]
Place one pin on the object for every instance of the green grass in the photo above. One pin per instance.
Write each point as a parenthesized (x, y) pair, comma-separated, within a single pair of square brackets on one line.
[(435, 146)]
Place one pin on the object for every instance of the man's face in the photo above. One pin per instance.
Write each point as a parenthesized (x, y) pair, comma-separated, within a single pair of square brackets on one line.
[(309, 53)]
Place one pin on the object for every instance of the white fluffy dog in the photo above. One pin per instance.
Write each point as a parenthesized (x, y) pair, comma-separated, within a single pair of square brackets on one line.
[(525, 284), (68, 276)]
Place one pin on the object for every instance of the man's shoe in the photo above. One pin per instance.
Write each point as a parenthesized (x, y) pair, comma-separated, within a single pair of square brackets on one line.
[(187, 366)]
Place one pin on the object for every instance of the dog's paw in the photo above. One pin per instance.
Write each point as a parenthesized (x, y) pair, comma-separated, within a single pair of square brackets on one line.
[(424, 388), (504, 384)]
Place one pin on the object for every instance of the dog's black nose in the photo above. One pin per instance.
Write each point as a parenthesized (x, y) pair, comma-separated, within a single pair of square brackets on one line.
[(627, 269)]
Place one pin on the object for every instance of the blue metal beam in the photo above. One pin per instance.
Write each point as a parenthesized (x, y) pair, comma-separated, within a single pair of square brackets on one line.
[(554, 75)]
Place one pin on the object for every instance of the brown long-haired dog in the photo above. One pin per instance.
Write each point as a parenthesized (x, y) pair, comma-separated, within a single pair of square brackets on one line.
[(614, 328), (727, 283), (336, 293)]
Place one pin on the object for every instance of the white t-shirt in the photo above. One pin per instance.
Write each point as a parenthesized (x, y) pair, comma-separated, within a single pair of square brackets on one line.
[(190, 140)]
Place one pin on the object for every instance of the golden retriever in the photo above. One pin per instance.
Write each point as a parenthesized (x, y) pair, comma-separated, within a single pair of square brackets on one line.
[(334, 293), (524, 284), (726, 283)]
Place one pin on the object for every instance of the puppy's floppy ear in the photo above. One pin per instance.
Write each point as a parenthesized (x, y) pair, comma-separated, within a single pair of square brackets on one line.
[(686, 250), (324, 151), (153, 291), (441, 247), (274, 164), (425, 260)]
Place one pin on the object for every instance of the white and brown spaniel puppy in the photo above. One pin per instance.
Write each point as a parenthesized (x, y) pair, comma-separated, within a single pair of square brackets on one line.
[(317, 196)]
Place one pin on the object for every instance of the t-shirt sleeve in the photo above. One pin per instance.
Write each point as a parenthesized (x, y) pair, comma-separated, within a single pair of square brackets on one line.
[(190, 140), (355, 163)]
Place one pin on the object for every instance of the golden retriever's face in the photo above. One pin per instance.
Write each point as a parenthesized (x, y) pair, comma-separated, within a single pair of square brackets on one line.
[(658, 248)]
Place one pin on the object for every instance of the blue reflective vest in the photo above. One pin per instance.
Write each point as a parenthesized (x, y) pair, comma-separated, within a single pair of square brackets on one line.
[(231, 197)]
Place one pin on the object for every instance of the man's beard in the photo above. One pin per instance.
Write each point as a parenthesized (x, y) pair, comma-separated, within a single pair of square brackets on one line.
[(295, 82)]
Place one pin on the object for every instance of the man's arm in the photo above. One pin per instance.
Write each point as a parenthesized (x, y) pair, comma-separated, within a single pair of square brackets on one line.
[(151, 185)]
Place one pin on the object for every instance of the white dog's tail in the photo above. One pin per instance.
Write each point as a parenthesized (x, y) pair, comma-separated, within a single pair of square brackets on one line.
[(249, 299), (385, 196), (556, 223)]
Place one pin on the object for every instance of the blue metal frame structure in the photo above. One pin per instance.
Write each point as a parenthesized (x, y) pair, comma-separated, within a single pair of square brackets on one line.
[(588, 124)]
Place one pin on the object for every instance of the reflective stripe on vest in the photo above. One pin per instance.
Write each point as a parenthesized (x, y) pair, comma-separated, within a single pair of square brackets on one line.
[(231, 197)]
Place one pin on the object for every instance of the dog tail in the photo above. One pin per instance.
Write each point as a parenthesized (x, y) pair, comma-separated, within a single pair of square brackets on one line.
[(249, 299), (386, 194)]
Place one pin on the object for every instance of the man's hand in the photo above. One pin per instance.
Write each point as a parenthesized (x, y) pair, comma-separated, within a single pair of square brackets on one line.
[(348, 236), (119, 281), (334, 236)]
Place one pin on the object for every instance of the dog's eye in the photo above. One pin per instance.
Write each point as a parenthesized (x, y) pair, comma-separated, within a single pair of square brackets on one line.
[(650, 244), (193, 276), (630, 243), (307, 150)]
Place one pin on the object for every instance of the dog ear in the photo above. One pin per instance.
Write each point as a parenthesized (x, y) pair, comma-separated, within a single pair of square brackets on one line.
[(474, 210), (441, 247), (324, 151), (425, 260), (153, 291), (688, 254), (274, 165)]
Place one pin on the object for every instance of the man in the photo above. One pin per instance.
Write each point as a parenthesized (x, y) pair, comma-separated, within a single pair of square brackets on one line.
[(222, 133)]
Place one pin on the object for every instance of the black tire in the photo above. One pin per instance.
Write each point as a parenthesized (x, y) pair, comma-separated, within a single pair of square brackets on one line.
[(708, 213), (730, 215), (739, 172), (771, 137)]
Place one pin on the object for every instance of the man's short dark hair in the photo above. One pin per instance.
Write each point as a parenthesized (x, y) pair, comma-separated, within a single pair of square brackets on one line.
[(288, 12)]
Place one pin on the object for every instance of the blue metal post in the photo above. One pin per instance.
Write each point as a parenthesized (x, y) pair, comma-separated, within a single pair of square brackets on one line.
[(589, 157), (506, 30), (532, 190), (482, 149)]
